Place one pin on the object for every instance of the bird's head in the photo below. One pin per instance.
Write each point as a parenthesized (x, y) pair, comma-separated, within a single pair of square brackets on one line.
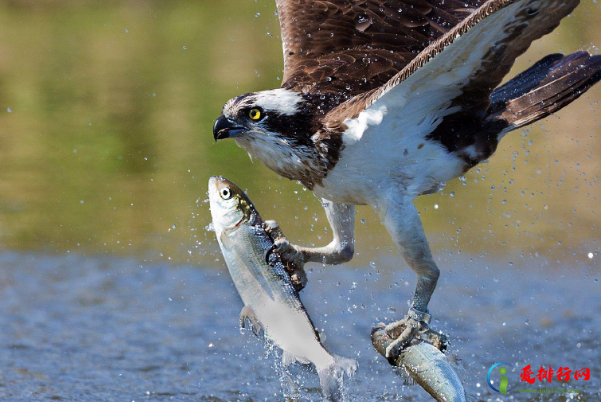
[(276, 115), (277, 127)]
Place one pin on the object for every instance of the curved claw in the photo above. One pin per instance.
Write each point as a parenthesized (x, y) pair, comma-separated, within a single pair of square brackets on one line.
[(292, 258), (282, 246), (288, 252), (410, 328), (273, 229), (426, 365), (414, 326)]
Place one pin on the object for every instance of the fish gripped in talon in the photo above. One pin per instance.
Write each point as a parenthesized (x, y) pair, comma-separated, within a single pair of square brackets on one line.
[(271, 302)]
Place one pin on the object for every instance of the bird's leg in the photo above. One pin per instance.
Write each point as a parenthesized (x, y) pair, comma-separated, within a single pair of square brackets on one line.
[(404, 225), (341, 249)]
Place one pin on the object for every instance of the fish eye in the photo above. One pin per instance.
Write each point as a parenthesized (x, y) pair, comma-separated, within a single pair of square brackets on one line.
[(255, 114), (226, 193)]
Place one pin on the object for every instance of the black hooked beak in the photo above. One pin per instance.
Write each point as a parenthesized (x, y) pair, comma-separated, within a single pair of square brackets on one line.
[(225, 128)]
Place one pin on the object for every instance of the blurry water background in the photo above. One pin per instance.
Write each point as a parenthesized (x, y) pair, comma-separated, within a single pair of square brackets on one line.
[(106, 112)]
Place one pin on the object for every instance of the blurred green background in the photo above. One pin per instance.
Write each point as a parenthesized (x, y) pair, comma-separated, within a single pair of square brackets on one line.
[(106, 111)]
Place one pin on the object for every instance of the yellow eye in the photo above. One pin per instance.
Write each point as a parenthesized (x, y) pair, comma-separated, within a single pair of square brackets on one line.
[(254, 114)]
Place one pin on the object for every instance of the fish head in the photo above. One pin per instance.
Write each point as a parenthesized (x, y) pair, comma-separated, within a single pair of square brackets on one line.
[(230, 206)]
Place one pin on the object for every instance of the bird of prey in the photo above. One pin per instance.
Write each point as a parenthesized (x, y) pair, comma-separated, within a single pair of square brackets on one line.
[(386, 100)]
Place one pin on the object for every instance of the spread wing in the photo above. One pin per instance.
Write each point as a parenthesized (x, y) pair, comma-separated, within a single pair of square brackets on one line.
[(449, 84), (347, 47)]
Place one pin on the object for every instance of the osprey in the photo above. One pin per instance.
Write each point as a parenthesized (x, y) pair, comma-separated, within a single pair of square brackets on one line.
[(386, 100)]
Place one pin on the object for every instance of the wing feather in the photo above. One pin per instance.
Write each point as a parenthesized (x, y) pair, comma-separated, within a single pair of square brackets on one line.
[(456, 74), (348, 47)]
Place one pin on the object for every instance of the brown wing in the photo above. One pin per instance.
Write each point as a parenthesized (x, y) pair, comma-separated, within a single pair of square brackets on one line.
[(453, 78), (347, 47)]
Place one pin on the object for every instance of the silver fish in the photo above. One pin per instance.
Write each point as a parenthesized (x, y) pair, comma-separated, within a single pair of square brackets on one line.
[(271, 301), (425, 364)]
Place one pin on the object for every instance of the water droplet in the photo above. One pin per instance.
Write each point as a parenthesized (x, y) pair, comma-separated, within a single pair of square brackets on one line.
[(363, 22)]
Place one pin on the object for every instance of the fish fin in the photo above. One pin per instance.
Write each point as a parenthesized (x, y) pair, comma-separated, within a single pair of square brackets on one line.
[(248, 316), (289, 358), (454, 360), (331, 377), (289, 387), (407, 379)]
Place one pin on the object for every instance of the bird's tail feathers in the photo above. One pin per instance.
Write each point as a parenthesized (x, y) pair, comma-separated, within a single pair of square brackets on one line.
[(546, 87), (331, 377)]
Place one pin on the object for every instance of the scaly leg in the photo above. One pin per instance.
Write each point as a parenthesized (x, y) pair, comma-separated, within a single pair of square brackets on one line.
[(340, 250), (404, 225)]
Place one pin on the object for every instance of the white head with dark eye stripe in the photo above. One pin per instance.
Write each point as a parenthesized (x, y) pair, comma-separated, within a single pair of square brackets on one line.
[(281, 128), (273, 126), (259, 113)]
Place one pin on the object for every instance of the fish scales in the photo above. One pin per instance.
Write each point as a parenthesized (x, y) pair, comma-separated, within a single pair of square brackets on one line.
[(270, 299)]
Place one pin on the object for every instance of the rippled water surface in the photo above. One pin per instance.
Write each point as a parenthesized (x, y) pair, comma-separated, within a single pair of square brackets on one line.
[(106, 329)]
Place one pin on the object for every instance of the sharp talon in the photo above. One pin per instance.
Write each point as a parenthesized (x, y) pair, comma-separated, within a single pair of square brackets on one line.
[(395, 329), (378, 328), (405, 332), (270, 225), (273, 230), (288, 252), (298, 277), (388, 350)]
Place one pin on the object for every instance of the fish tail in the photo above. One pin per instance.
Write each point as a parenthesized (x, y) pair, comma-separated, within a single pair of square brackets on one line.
[(331, 377)]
